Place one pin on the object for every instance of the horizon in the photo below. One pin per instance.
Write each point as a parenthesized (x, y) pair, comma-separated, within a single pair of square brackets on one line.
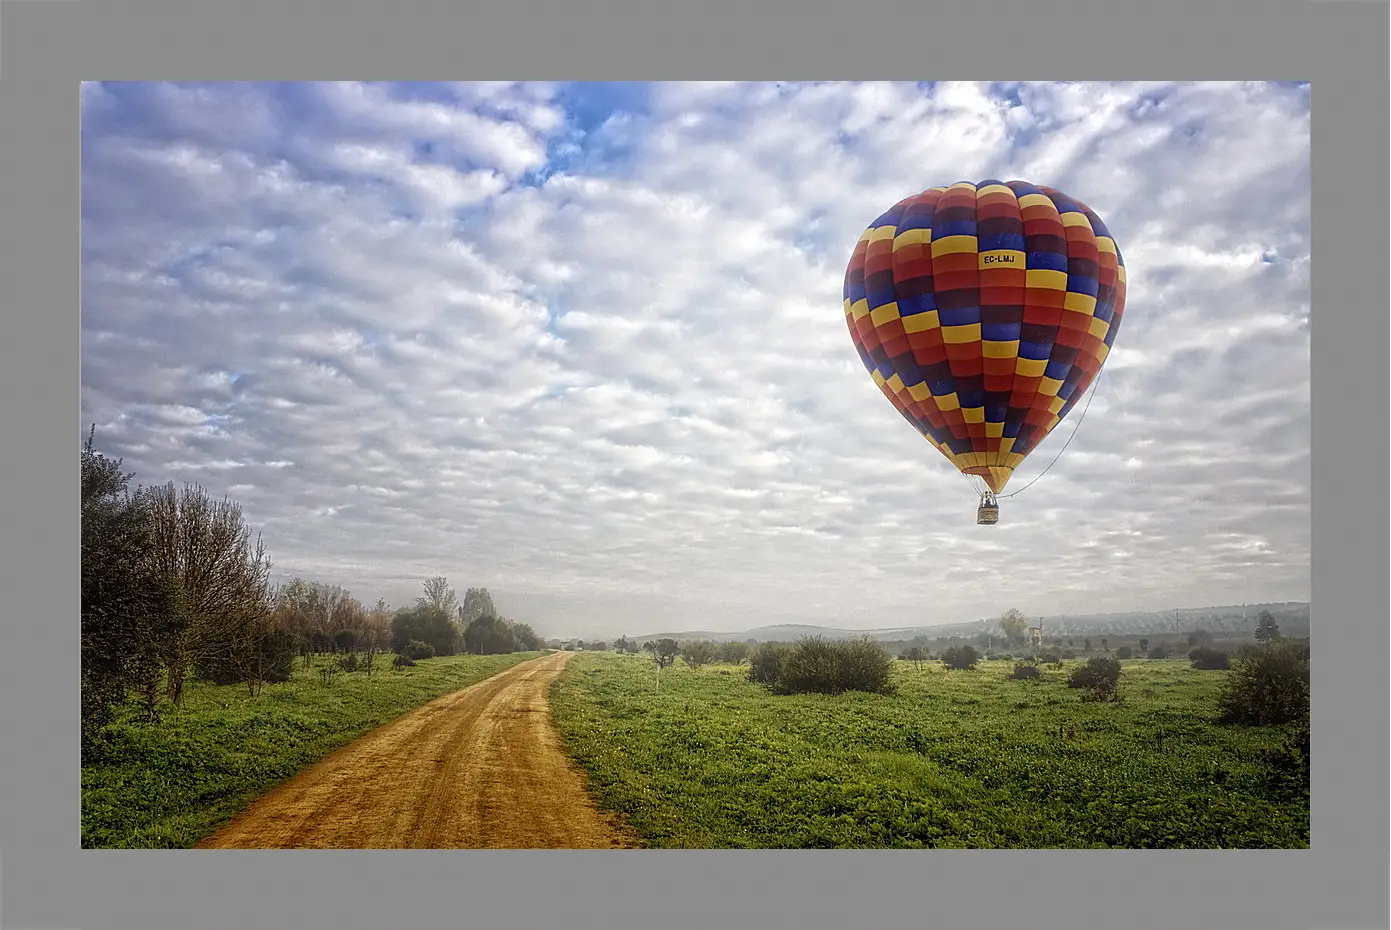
[(583, 344)]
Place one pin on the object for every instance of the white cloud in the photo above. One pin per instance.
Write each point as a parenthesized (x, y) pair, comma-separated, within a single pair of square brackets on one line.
[(616, 388)]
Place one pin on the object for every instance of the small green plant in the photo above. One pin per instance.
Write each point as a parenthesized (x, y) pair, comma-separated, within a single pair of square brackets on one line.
[(328, 673)]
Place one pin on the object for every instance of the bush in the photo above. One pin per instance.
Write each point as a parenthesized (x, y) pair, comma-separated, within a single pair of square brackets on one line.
[(823, 667), (1100, 675), (1268, 686), (280, 647), (862, 665), (960, 658), (1069, 654), (1124, 652), (1158, 652), (765, 664), (349, 662), (1050, 658), (403, 661), (417, 650), (1208, 659), (1024, 672)]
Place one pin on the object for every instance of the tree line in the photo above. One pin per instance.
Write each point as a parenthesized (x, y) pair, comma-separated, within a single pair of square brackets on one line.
[(175, 587)]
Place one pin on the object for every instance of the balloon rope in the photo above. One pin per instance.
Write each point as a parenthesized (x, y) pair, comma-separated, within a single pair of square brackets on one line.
[(1090, 398)]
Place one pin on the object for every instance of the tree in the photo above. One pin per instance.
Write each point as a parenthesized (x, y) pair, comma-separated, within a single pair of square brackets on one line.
[(204, 549), (1199, 637), (733, 652), (130, 610), (915, 654), (699, 652), (1087, 644), (621, 644), (477, 603), (1144, 644), (664, 651), (489, 635), (1105, 644), (427, 625), (527, 639), (1013, 624), (1267, 630), (439, 595), (598, 645)]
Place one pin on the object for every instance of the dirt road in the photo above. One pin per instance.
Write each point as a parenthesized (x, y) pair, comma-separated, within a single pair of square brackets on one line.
[(480, 768)]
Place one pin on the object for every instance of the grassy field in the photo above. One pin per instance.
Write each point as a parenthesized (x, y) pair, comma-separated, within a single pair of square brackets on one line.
[(954, 759), (171, 783)]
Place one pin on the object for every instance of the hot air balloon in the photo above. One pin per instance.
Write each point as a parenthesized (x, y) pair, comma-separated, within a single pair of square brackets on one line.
[(983, 312)]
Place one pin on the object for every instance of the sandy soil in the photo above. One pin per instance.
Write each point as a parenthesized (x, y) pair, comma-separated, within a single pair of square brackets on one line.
[(482, 768)]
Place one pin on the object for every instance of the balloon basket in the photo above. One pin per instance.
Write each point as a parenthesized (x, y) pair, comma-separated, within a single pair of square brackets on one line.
[(988, 513)]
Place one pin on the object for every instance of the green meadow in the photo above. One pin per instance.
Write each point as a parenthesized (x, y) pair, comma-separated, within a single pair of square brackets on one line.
[(170, 784), (952, 759)]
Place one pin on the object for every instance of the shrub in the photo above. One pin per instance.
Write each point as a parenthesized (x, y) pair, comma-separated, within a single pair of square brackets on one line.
[(415, 649), (1101, 673), (1069, 654), (862, 665), (765, 664), (1158, 652), (349, 662), (960, 658), (1050, 658), (1024, 672), (402, 661), (1124, 652), (817, 665), (280, 647), (1268, 686), (1208, 659)]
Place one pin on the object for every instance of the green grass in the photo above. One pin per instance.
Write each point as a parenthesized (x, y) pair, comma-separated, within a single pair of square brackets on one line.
[(171, 783), (955, 759)]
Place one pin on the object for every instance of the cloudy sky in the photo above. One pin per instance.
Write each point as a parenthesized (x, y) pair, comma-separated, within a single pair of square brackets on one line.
[(584, 344)]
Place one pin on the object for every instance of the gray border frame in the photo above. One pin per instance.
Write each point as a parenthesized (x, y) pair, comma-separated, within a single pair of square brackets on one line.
[(46, 49)]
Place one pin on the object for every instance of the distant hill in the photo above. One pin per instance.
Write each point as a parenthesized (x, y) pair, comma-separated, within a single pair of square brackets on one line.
[(1293, 618)]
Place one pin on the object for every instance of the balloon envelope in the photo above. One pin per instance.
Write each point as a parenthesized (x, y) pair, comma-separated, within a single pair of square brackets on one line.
[(983, 312)]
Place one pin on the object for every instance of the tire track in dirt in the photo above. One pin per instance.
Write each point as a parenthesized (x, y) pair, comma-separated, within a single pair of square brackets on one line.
[(482, 768)]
